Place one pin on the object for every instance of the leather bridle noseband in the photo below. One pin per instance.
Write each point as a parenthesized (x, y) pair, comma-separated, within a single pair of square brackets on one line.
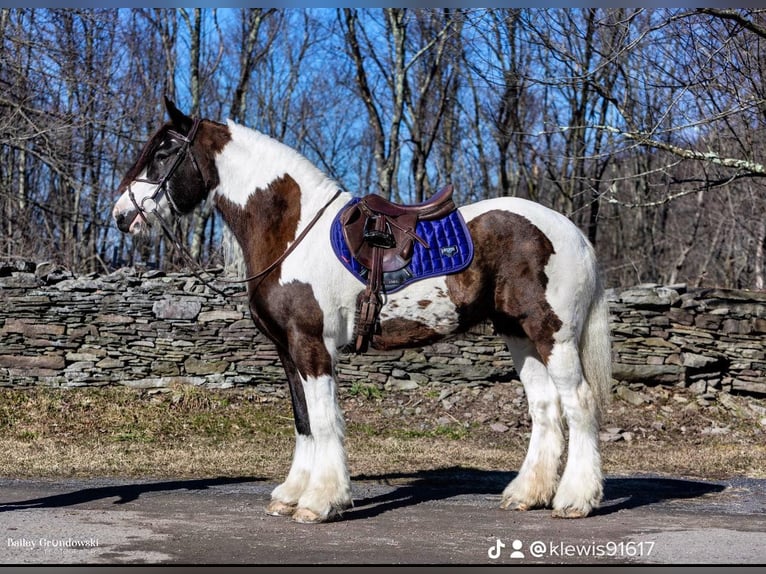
[(162, 190)]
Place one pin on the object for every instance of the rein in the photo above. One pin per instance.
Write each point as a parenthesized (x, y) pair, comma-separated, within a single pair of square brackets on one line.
[(162, 190), (265, 272)]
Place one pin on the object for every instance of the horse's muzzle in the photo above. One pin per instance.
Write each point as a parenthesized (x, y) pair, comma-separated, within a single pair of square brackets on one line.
[(126, 220)]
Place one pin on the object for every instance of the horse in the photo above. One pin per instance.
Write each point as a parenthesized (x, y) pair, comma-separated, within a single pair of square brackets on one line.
[(533, 275)]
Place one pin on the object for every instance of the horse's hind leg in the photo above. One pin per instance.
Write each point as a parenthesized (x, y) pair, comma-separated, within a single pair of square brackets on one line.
[(580, 488), (536, 482)]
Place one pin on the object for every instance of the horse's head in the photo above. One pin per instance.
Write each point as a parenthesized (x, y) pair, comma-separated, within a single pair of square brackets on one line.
[(172, 175)]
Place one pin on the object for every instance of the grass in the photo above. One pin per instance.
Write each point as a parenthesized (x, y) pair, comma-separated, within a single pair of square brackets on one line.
[(120, 415), (449, 432), (365, 391), (187, 431), (197, 432)]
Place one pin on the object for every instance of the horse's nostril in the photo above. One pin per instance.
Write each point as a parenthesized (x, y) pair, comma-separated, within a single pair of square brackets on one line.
[(123, 220)]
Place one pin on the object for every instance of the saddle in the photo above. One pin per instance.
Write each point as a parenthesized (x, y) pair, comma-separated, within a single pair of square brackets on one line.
[(381, 236)]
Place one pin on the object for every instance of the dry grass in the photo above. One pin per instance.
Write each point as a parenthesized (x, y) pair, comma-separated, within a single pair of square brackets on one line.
[(191, 432), (714, 460)]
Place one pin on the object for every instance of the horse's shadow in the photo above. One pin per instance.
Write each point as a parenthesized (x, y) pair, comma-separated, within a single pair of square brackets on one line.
[(124, 493), (408, 489), (434, 485)]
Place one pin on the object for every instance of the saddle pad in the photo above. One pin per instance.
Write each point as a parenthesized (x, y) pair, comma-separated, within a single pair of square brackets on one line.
[(450, 249)]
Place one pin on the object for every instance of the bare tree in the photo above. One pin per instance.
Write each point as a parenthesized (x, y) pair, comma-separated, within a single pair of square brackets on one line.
[(362, 51), (253, 50), (384, 56), (430, 90), (502, 101), (646, 126), (705, 136)]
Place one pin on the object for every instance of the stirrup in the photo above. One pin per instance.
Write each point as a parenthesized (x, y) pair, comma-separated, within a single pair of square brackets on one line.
[(383, 238)]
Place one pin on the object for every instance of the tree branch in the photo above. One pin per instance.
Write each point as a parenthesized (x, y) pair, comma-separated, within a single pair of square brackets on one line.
[(753, 168), (735, 16)]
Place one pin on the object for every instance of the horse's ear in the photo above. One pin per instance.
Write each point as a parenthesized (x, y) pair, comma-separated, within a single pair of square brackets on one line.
[(180, 120)]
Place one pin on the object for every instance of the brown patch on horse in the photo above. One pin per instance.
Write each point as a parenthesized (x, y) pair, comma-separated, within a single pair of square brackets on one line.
[(211, 138), (296, 322), (423, 303), (397, 333), (289, 314), (291, 317), (506, 280), (266, 225)]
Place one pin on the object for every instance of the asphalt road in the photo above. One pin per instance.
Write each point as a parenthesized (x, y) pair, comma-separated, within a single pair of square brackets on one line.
[(440, 517)]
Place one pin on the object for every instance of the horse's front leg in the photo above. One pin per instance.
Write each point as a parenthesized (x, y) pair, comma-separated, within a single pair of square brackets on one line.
[(284, 498), (328, 491), (317, 487)]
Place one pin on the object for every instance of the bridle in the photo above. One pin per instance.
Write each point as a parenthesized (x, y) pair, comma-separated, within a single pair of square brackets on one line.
[(150, 204), (162, 184)]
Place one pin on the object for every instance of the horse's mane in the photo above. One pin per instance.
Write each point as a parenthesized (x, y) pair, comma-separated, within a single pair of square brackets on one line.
[(143, 158)]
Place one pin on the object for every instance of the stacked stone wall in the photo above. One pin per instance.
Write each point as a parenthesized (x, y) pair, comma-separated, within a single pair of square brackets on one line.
[(156, 330)]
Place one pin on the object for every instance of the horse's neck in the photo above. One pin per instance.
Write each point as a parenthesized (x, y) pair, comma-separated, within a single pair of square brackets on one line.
[(267, 193), (252, 161)]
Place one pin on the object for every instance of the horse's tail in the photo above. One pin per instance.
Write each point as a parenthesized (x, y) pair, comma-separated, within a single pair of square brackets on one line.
[(596, 349)]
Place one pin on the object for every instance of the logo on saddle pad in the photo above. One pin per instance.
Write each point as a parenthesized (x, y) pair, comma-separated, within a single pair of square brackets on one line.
[(432, 248), (449, 251)]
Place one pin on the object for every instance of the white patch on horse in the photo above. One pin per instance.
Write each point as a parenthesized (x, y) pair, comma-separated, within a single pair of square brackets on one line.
[(334, 288), (142, 193), (580, 489), (240, 176), (289, 492), (536, 483), (440, 314)]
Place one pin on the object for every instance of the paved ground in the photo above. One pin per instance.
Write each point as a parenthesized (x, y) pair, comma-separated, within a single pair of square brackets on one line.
[(449, 516)]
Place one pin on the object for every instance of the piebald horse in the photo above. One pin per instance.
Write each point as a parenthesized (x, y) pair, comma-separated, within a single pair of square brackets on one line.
[(534, 275)]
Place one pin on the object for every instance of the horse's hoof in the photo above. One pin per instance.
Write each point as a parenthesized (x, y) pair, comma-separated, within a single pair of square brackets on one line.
[(279, 508), (511, 504), (569, 513), (306, 516)]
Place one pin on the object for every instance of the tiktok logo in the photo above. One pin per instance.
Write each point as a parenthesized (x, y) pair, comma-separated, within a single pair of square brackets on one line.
[(494, 551)]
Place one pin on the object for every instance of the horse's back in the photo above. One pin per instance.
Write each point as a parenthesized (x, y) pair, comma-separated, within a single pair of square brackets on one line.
[(563, 234)]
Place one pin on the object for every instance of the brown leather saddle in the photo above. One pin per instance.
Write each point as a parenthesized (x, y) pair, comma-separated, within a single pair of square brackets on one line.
[(381, 236)]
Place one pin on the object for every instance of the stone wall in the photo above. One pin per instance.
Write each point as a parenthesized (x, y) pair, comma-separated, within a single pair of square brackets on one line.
[(157, 330), (707, 339)]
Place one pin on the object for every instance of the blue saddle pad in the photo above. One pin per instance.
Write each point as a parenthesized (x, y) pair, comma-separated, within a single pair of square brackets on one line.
[(450, 249)]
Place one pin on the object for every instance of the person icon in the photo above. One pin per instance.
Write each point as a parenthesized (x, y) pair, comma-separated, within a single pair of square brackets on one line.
[(516, 545)]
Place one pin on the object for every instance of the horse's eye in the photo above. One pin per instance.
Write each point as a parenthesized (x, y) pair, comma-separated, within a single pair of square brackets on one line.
[(162, 155), (165, 151)]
